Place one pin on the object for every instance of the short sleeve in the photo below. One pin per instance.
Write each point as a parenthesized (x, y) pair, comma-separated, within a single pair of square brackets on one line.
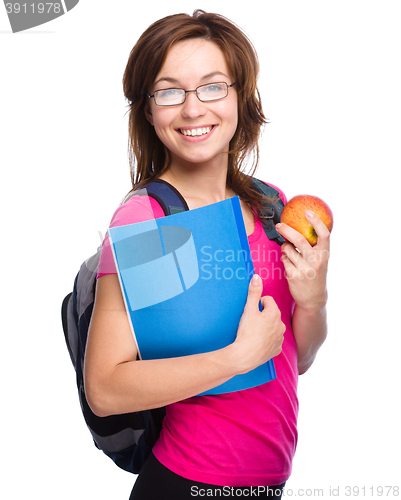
[(136, 209)]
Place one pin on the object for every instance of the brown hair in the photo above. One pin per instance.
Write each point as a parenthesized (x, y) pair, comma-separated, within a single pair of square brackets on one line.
[(149, 158)]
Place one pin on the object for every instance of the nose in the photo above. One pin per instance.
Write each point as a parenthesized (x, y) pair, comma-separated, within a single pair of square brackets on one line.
[(193, 107)]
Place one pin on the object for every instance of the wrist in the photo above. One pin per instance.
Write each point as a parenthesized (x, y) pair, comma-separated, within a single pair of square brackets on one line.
[(314, 307), (234, 358)]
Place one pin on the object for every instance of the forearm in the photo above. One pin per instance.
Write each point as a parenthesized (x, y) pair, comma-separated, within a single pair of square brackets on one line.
[(310, 331), (140, 385)]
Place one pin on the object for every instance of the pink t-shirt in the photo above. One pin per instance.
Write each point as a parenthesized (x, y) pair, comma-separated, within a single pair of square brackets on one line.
[(245, 438)]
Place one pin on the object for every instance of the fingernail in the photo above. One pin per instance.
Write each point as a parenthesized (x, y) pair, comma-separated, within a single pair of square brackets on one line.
[(279, 225), (255, 281), (309, 213)]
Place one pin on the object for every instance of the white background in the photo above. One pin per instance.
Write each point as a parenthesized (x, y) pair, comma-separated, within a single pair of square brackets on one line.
[(330, 85)]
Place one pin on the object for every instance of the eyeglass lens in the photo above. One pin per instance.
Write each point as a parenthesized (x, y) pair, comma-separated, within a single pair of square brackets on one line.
[(205, 93)]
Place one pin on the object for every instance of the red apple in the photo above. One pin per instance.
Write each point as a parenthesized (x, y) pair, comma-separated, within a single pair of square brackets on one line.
[(293, 214)]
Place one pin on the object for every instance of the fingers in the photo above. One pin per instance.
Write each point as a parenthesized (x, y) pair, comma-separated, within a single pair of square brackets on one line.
[(291, 253), (255, 298), (320, 227), (293, 237), (268, 303), (261, 331), (299, 241), (254, 292)]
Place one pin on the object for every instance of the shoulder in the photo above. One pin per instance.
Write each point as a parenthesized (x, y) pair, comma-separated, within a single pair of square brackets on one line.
[(280, 191), (136, 209)]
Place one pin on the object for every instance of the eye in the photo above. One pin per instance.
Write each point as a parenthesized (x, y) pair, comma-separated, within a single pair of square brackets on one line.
[(169, 93), (213, 88)]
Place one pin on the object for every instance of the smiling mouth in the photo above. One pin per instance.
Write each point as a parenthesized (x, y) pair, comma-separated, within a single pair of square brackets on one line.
[(195, 132)]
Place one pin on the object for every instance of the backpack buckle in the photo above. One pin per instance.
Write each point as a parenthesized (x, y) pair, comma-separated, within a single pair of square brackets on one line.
[(268, 213)]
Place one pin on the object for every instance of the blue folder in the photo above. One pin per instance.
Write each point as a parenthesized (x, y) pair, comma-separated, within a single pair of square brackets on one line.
[(185, 281)]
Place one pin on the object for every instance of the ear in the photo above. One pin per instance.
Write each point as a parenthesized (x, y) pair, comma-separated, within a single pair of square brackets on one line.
[(148, 114)]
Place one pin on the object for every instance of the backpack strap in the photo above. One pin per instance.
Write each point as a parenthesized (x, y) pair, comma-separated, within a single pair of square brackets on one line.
[(172, 202), (271, 211), (166, 195)]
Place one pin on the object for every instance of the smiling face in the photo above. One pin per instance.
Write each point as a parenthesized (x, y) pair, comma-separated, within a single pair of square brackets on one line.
[(195, 132)]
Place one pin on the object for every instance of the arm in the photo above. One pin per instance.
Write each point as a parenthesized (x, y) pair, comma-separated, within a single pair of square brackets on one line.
[(306, 270), (115, 382), (310, 331)]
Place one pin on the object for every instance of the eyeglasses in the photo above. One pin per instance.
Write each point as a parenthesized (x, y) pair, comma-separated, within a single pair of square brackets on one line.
[(205, 93)]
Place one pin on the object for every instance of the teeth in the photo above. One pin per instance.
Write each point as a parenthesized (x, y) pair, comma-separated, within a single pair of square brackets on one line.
[(196, 131)]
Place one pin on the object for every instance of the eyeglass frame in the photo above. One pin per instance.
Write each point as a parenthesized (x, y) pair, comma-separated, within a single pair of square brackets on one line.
[(189, 91)]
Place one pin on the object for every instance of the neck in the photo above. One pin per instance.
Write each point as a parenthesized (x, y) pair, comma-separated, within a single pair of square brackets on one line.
[(200, 185)]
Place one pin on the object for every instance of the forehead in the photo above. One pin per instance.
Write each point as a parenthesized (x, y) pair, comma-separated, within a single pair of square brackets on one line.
[(193, 59)]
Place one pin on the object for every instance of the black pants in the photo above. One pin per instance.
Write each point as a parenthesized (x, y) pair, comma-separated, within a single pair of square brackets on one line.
[(156, 482)]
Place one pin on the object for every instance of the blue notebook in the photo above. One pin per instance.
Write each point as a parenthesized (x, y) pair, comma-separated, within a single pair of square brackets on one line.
[(185, 281)]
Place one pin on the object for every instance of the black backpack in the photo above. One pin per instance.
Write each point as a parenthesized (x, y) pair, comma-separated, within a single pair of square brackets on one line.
[(129, 438)]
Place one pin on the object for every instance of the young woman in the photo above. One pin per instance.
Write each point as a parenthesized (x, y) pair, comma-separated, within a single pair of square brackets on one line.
[(195, 118)]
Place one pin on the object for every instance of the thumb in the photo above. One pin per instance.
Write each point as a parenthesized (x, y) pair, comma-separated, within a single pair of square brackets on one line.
[(254, 292)]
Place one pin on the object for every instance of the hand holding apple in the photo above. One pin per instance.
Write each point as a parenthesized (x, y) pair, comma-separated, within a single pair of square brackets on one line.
[(306, 222), (293, 215)]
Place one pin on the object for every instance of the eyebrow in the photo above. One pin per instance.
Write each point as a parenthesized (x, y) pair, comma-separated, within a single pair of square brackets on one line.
[(176, 82)]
